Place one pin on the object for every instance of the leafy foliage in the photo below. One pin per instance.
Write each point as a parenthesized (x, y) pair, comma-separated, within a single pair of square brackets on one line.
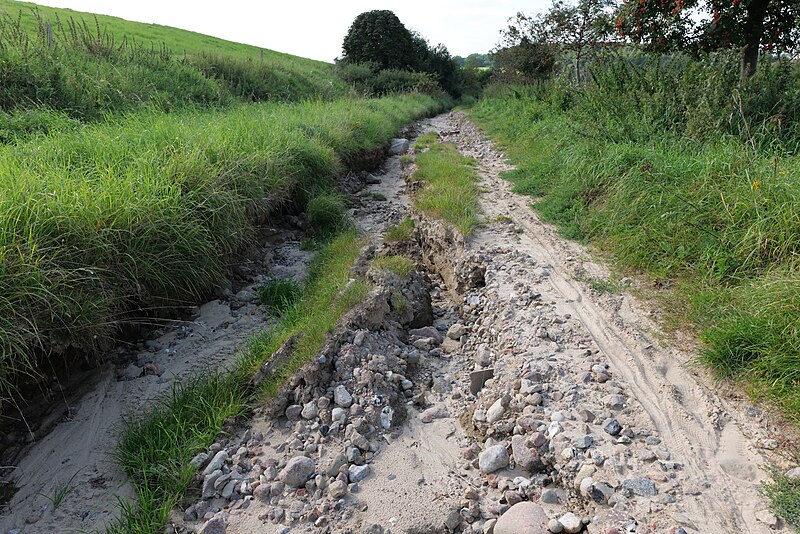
[(695, 26), (379, 37)]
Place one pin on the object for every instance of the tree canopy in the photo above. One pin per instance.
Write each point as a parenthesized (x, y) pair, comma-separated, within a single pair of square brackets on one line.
[(378, 36), (699, 26)]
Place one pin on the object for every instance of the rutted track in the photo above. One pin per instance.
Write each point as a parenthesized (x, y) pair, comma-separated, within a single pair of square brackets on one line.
[(689, 417)]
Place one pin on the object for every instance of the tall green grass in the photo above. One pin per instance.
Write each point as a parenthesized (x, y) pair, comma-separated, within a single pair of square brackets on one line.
[(155, 449), (140, 212), (624, 163)]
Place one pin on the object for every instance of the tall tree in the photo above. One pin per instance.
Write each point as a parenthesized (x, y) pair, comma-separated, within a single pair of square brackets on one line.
[(578, 29), (707, 25), (378, 36)]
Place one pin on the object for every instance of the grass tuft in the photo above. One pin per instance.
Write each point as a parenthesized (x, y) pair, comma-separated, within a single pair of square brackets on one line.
[(403, 231), (783, 494), (280, 294), (399, 265)]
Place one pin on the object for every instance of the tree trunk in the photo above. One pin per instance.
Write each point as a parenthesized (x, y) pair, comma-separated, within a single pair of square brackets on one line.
[(753, 29), (578, 69)]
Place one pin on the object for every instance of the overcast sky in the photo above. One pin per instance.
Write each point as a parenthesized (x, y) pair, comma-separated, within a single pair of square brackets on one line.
[(315, 29)]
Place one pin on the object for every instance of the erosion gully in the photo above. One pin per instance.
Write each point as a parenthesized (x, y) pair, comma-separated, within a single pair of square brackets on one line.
[(491, 390)]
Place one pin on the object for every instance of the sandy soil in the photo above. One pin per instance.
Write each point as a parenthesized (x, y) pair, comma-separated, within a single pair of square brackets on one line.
[(76, 457)]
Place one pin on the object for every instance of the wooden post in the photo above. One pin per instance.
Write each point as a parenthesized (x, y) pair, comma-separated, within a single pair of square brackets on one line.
[(261, 55), (49, 30)]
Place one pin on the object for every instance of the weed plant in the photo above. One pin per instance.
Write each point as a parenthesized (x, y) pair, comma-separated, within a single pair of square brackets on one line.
[(280, 294), (399, 265)]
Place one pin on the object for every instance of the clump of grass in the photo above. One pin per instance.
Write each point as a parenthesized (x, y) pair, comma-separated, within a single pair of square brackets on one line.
[(280, 294), (784, 496), (402, 231), (451, 190), (425, 141), (399, 265), (155, 450), (327, 214)]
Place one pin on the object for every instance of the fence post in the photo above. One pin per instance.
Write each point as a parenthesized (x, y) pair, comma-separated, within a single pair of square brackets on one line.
[(49, 30)]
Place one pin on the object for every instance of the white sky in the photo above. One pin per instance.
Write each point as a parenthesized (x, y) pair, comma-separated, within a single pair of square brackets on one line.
[(315, 29)]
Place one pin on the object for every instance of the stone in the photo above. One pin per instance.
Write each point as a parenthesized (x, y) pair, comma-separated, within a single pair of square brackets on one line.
[(495, 412), (615, 401), (453, 520), (198, 461), (554, 526), (488, 526), (216, 463), (209, 482), (456, 331), (493, 459), (398, 147), (645, 455), (262, 493), (427, 331), (337, 489), (525, 457), (215, 525), (793, 474), (293, 412), (477, 379), (522, 518), (612, 427), (132, 372), (434, 412), (357, 473), (572, 523), (297, 471), (767, 517), (643, 487), (373, 528), (339, 415), (360, 441), (553, 496), (341, 397), (582, 442), (601, 492), (310, 411), (586, 416)]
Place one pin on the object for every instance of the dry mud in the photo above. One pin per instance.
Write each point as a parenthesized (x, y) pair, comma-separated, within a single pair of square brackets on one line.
[(491, 376)]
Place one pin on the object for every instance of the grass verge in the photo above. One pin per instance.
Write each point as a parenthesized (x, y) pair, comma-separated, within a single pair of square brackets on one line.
[(155, 450), (451, 191)]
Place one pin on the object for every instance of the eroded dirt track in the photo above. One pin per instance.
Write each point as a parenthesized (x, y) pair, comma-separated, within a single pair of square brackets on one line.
[(719, 460), (493, 376)]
